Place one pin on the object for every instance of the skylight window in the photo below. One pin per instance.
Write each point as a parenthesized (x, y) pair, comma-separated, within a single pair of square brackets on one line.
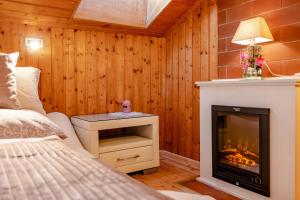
[(138, 13)]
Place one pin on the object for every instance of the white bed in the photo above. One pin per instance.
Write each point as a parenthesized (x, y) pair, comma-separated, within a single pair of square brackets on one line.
[(72, 140), (49, 167)]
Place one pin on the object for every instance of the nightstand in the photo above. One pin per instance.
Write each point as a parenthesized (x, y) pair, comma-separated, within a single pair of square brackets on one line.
[(127, 142)]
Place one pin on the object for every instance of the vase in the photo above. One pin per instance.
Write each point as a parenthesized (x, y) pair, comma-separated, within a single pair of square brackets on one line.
[(253, 73)]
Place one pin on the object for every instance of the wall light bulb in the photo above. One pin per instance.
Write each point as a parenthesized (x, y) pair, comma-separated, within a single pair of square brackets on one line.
[(34, 43)]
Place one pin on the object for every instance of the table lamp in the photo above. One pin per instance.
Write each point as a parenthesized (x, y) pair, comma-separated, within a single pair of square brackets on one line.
[(252, 32)]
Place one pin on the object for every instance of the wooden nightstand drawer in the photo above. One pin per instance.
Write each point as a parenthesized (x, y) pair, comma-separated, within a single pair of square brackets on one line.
[(128, 156)]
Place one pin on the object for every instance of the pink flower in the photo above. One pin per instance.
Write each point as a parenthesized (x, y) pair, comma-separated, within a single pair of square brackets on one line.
[(244, 56), (245, 66), (259, 61)]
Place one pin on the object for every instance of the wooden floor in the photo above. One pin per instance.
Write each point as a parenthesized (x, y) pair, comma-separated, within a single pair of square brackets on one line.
[(178, 174)]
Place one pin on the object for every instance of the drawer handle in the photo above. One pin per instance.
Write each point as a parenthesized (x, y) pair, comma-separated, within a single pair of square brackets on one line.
[(129, 158)]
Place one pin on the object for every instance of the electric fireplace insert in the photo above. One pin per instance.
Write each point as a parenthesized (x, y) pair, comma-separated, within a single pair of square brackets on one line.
[(240, 147)]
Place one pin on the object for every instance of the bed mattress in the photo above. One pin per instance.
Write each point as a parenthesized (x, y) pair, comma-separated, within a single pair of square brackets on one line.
[(48, 169)]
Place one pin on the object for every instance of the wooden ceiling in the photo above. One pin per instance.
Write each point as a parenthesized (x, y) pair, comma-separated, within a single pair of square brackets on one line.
[(60, 13)]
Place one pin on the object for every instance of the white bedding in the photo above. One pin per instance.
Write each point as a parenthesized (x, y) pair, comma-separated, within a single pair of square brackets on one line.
[(72, 141), (47, 169), (26, 124)]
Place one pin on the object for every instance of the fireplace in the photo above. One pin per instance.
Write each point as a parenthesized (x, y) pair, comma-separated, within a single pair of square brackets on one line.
[(240, 147)]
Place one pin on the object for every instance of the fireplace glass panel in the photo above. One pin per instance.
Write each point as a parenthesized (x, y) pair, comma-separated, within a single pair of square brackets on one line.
[(238, 141), (240, 147)]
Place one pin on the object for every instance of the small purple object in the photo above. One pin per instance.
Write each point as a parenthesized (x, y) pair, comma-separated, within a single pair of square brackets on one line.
[(126, 106)]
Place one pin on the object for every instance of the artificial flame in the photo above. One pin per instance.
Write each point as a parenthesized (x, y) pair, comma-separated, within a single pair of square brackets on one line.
[(239, 158), (240, 155)]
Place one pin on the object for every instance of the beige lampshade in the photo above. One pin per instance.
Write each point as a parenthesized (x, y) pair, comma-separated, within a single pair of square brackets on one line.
[(252, 31)]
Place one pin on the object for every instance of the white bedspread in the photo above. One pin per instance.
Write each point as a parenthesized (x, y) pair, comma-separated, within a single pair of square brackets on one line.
[(72, 140), (48, 169)]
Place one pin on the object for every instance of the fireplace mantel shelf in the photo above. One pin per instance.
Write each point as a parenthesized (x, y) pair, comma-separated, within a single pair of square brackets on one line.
[(288, 80)]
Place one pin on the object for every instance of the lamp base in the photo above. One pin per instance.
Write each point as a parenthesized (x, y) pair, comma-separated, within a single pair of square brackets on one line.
[(252, 61), (253, 73)]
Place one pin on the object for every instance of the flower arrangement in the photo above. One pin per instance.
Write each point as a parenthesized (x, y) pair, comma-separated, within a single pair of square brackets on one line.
[(252, 61)]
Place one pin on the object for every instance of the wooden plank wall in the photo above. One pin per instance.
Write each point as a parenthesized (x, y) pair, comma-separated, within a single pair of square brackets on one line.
[(90, 72), (191, 56)]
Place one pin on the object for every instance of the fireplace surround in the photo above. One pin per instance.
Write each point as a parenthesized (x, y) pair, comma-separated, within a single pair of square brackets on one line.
[(282, 97), (240, 147)]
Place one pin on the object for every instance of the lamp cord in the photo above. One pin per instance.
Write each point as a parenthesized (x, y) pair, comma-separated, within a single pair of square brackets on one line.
[(278, 75)]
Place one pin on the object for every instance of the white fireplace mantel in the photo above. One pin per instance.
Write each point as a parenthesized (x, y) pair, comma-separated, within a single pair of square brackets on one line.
[(287, 80), (282, 96)]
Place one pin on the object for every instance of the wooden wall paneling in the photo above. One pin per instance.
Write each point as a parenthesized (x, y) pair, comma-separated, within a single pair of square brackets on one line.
[(175, 95), (80, 71), (14, 39), (101, 72), (204, 41), (213, 39), (146, 74), (111, 80), (188, 87), (35, 9), (162, 92), (198, 65), (64, 4), (10, 37), (181, 74), (137, 73), (169, 93), (20, 31), (7, 44), (196, 77), (128, 65), (79, 68), (69, 65), (45, 65), (155, 44), (58, 72), (2, 37), (119, 70), (91, 71)]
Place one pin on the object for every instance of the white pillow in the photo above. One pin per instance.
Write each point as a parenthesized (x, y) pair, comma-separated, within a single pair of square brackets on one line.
[(26, 124), (8, 97), (27, 89)]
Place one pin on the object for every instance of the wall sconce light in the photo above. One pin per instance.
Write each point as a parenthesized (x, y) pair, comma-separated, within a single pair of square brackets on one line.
[(34, 43)]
